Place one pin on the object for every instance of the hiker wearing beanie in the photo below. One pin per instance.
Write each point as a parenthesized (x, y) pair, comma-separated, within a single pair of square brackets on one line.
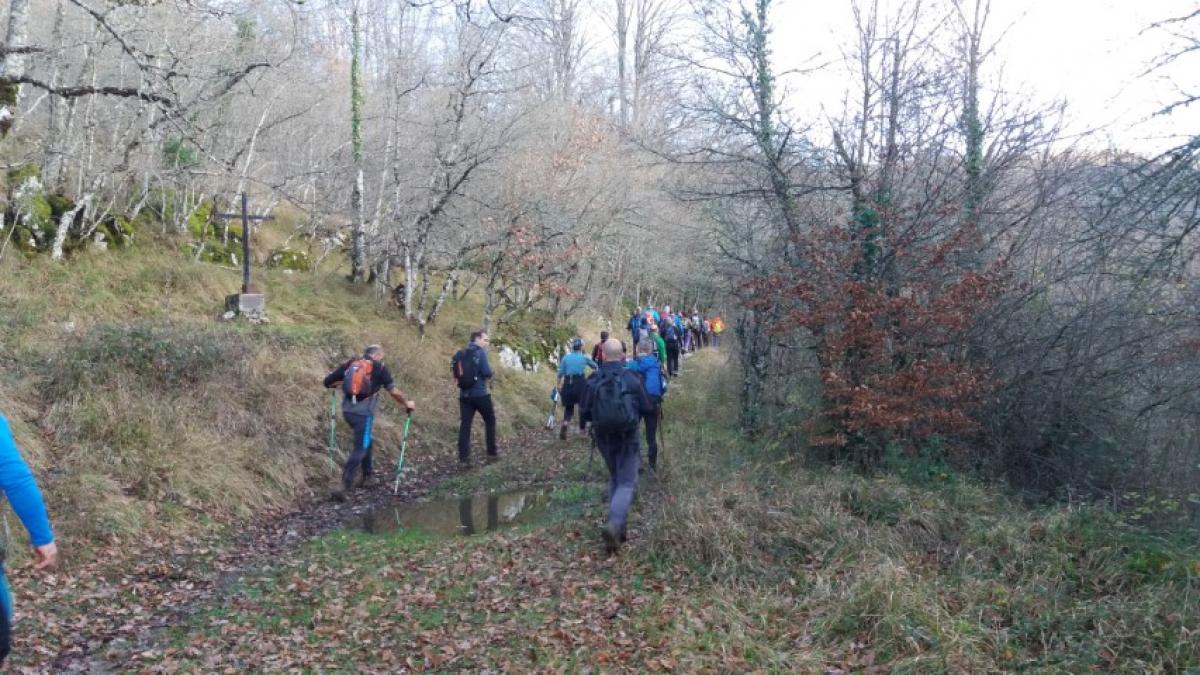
[(613, 402), (571, 370), (361, 380)]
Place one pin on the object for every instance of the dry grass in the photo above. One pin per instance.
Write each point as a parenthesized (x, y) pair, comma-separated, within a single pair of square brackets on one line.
[(122, 449), (827, 568)]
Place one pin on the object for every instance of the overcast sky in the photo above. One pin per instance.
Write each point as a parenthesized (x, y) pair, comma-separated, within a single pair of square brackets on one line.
[(1090, 53)]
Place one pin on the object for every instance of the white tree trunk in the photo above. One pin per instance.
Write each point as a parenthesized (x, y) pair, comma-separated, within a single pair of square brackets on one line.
[(410, 282), (64, 225), (13, 64), (622, 30)]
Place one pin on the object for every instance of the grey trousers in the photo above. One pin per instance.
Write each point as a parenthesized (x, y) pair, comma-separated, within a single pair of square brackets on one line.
[(622, 454)]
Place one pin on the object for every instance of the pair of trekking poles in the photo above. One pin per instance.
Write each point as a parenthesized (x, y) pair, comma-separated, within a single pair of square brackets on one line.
[(333, 449)]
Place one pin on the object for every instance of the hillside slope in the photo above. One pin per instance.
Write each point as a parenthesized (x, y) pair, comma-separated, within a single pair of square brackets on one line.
[(142, 412)]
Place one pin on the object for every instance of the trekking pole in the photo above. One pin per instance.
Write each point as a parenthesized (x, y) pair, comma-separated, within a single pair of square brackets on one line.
[(591, 452), (332, 427), (403, 448), (662, 434), (551, 418)]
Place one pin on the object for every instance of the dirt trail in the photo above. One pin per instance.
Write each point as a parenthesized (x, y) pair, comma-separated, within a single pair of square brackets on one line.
[(104, 615)]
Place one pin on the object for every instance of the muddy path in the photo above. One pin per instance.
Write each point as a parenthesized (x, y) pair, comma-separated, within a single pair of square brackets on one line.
[(102, 616)]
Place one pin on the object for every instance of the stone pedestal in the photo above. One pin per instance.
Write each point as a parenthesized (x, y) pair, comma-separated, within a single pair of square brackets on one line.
[(253, 306)]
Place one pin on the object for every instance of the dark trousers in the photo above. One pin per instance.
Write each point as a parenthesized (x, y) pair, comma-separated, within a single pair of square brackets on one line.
[(672, 358), (467, 407), (622, 455), (652, 432), (572, 391), (361, 455)]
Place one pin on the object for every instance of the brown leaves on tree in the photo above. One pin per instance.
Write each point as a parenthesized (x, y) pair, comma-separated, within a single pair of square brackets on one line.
[(891, 309)]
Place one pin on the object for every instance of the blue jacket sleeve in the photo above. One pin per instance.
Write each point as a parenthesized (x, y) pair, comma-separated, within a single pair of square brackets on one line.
[(21, 489)]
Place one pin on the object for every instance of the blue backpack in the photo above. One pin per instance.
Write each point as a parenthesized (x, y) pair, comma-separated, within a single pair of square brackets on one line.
[(648, 367)]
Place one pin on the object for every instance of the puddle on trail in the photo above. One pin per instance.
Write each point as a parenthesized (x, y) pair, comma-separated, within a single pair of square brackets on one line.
[(463, 516)]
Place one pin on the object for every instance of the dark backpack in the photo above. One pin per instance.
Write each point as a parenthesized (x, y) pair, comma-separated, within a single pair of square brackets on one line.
[(670, 333), (466, 370), (356, 383), (614, 403)]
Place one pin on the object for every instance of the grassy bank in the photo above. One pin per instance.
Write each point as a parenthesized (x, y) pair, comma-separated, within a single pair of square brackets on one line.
[(819, 567), (142, 413)]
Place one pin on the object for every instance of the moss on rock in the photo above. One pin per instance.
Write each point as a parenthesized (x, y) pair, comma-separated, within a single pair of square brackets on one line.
[(20, 173), (118, 231), (59, 204), (199, 222), (289, 259)]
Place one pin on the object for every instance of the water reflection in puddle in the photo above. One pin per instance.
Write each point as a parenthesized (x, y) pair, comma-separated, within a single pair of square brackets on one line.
[(464, 516)]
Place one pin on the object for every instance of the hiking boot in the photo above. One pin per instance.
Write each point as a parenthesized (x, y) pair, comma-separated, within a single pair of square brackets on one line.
[(562, 432), (492, 457), (338, 495), (464, 464), (368, 481), (612, 539)]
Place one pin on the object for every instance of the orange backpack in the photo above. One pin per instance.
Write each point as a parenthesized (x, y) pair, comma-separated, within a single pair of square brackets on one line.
[(356, 384)]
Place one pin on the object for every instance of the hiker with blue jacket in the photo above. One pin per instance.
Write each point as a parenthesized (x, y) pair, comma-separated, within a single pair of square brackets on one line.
[(613, 402), (650, 370), (571, 370), (21, 490), (472, 371), (361, 379)]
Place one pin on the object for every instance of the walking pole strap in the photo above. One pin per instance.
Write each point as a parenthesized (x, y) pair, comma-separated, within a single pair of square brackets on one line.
[(332, 444)]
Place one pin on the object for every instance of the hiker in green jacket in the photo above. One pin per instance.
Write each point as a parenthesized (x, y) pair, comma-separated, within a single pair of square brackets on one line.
[(660, 346)]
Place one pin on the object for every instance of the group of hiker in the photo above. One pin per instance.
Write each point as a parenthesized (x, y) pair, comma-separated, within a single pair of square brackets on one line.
[(622, 392), (674, 333)]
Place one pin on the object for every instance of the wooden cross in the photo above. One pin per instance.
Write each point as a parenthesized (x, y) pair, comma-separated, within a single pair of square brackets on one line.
[(246, 218)]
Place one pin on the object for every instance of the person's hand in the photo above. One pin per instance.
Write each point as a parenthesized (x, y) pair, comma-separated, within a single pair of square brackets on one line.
[(45, 556), (411, 406)]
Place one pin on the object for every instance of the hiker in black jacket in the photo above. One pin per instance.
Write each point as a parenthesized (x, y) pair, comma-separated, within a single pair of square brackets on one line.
[(615, 427), (359, 410), (474, 397)]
